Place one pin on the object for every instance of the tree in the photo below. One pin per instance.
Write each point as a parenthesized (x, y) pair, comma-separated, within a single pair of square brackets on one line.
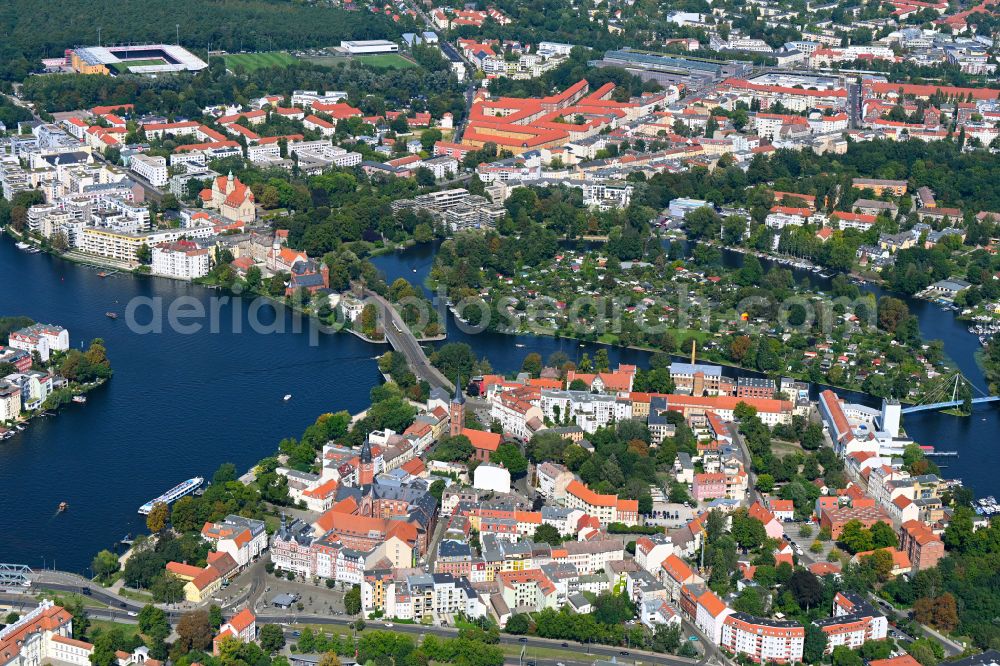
[(104, 564), (805, 587), (215, 616), (352, 601), (855, 538), (742, 411), (547, 534), (883, 536), (143, 254), (613, 608), (891, 313), (329, 659), (814, 645), (765, 483), (812, 437), (194, 632), (153, 622), (429, 137), (748, 532), (425, 177), (272, 638), (751, 601), (532, 364), (845, 656), (156, 521), (509, 455), (520, 622), (167, 588), (922, 651)]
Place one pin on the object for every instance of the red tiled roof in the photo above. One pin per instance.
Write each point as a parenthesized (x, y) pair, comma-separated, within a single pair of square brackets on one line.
[(481, 439)]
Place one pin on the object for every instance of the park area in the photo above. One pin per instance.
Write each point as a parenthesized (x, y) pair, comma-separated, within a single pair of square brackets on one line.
[(252, 61)]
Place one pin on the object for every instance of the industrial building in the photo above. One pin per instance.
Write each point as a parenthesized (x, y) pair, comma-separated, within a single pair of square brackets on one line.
[(672, 69)]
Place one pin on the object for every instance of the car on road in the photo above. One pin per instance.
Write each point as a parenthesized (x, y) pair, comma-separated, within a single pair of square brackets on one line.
[(123, 605), (132, 614), (296, 634), (86, 590), (523, 639), (564, 644), (624, 653), (389, 625)]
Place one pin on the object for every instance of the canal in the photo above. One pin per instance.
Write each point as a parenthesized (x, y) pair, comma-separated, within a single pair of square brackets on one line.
[(179, 405)]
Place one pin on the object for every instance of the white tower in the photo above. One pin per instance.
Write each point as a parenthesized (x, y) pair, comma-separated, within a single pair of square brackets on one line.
[(891, 412)]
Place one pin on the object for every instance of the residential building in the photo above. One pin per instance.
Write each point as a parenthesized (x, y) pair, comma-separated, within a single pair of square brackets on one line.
[(241, 627), (921, 545), (245, 539), (763, 640), (853, 623), (606, 508), (180, 259), (151, 168)]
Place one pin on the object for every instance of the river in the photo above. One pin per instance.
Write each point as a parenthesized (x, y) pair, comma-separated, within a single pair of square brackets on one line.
[(179, 405)]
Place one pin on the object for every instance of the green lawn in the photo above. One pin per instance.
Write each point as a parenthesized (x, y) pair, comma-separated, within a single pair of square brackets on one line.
[(100, 626), (326, 61), (386, 61), (252, 61), (135, 595), (86, 600), (125, 65)]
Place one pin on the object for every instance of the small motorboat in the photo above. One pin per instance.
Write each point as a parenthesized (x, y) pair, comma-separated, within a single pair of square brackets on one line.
[(63, 506), (111, 315), (80, 399), (288, 396), (102, 274)]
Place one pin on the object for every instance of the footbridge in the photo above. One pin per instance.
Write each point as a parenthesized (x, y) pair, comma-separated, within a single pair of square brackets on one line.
[(962, 393)]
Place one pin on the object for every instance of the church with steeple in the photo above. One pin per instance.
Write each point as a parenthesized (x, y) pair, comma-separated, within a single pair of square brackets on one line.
[(483, 442), (231, 198), (456, 410)]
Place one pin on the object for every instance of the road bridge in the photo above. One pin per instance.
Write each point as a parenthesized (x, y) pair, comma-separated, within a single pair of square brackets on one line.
[(402, 340)]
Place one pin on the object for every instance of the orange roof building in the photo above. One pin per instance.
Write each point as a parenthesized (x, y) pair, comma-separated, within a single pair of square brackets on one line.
[(523, 124), (606, 508)]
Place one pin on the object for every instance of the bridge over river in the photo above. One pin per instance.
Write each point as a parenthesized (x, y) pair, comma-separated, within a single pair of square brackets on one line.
[(402, 340)]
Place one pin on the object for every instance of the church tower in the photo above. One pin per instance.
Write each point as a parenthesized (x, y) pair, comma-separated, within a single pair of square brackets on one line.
[(456, 410), (366, 470)]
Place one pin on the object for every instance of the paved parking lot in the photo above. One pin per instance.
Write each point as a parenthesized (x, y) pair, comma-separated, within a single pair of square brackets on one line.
[(792, 530)]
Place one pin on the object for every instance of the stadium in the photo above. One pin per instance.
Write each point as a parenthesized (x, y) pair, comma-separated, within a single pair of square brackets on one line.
[(133, 59)]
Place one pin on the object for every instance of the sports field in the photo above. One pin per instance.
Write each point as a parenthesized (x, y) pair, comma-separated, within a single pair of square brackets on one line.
[(125, 65), (252, 61), (386, 61)]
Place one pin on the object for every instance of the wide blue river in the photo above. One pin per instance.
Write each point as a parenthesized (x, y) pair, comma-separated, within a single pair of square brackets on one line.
[(181, 404)]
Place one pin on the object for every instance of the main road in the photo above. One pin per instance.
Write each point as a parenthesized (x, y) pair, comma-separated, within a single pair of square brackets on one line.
[(399, 335), (120, 609)]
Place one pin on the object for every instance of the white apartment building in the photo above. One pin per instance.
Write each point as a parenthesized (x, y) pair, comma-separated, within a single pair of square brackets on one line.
[(180, 259), (763, 640), (10, 402), (153, 169), (43, 338), (588, 410), (441, 166)]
